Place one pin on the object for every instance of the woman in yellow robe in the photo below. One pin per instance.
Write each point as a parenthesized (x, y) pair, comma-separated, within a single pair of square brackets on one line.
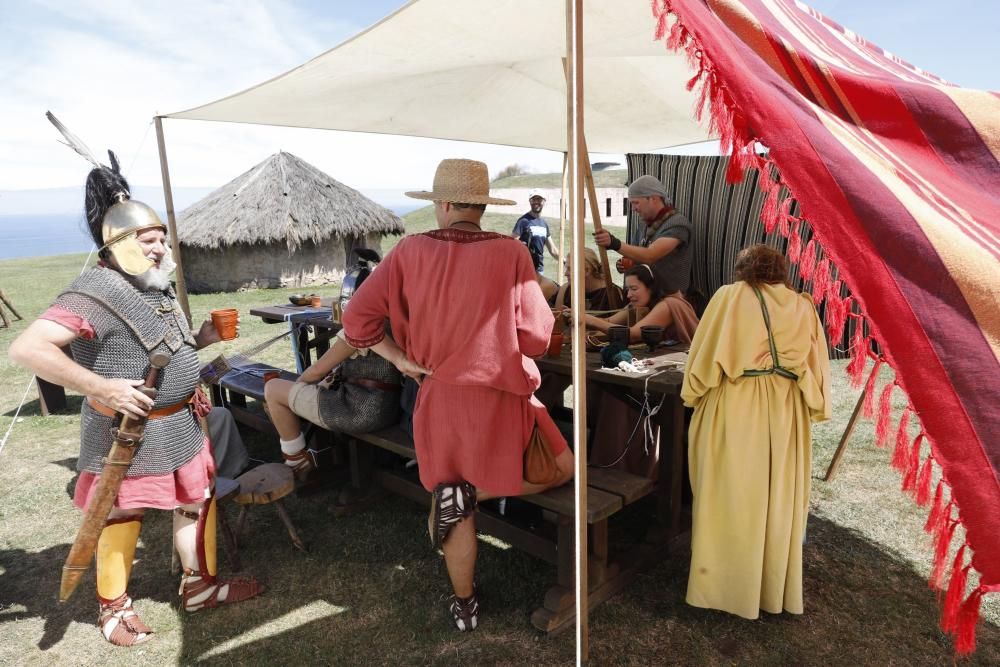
[(750, 447)]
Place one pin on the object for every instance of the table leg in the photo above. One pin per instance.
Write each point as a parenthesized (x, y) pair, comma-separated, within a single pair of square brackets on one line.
[(669, 490)]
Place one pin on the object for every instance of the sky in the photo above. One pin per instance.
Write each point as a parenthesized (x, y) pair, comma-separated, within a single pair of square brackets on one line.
[(106, 67)]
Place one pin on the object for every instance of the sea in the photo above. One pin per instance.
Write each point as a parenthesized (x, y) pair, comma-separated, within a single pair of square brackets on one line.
[(59, 234)]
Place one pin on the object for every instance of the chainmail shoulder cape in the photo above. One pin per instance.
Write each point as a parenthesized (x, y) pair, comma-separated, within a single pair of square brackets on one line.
[(129, 325), (356, 409)]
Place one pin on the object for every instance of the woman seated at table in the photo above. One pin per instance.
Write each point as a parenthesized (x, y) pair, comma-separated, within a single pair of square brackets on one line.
[(669, 310), (595, 287), (620, 441), (362, 396)]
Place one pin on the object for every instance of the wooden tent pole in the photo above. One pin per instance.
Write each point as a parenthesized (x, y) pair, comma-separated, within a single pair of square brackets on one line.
[(562, 217), (577, 159), (168, 197), (848, 430), (6, 302), (595, 214)]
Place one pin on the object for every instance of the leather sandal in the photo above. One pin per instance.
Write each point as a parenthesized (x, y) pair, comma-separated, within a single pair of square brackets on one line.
[(465, 612), (301, 463), (119, 623), (450, 505), (204, 592)]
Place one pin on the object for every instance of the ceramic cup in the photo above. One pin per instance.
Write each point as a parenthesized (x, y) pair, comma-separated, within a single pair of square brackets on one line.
[(618, 334), (555, 345), (316, 301), (652, 335), (271, 375), (226, 321)]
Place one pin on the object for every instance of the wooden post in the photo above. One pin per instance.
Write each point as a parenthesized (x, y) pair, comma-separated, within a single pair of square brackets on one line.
[(842, 446), (588, 182), (6, 302), (595, 214), (168, 197), (577, 160), (562, 217)]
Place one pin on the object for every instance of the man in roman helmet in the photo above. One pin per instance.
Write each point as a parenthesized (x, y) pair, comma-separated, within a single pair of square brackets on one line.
[(114, 316)]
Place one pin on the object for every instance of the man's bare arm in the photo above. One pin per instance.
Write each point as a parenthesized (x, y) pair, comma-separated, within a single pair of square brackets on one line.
[(39, 349)]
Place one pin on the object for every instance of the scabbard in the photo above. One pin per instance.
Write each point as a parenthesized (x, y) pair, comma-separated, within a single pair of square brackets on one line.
[(127, 438)]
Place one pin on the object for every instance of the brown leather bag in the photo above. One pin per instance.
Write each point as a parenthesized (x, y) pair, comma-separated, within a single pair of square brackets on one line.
[(539, 463)]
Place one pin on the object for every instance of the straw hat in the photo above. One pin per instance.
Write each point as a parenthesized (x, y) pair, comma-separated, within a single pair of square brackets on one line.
[(461, 182)]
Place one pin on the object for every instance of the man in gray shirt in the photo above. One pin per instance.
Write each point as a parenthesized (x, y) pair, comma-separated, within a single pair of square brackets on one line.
[(666, 242)]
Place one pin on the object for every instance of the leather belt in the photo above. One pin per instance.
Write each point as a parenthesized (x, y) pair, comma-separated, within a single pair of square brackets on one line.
[(373, 384), (157, 413)]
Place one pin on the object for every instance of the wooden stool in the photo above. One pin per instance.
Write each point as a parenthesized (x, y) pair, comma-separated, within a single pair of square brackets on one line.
[(267, 484)]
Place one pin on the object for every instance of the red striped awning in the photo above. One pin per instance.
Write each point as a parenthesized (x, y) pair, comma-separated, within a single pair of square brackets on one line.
[(898, 172)]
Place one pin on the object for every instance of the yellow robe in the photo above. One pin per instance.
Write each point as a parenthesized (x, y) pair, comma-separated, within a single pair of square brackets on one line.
[(750, 448)]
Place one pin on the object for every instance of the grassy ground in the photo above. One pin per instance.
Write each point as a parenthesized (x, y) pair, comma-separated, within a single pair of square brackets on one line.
[(370, 591)]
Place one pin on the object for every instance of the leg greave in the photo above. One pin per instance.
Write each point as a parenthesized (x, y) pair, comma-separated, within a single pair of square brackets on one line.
[(115, 553)]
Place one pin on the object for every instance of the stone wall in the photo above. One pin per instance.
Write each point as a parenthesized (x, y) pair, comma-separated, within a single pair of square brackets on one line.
[(245, 266)]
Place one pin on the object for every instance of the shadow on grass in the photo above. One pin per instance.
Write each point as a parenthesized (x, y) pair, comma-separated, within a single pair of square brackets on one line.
[(862, 606), (31, 580), (34, 408)]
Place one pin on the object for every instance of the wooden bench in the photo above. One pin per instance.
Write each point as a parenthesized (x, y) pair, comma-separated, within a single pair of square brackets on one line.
[(609, 491)]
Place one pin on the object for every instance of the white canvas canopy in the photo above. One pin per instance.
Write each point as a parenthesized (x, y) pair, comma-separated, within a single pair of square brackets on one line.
[(488, 71), (492, 71)]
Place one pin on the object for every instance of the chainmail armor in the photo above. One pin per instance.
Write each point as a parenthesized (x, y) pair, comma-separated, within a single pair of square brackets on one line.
[(128, 327), (356, 409)]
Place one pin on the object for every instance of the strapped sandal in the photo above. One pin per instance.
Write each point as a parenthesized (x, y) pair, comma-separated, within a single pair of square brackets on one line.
[(301, 463), (119, 623), (465, 611), (203, 592), (450, 505)]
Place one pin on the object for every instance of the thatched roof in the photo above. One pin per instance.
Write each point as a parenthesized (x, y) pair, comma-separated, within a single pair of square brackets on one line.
[(283, 199)]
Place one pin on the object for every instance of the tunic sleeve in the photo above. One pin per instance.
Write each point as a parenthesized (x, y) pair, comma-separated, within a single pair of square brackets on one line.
[(704, 368), (816, 386), (365, 314), (533, 317)]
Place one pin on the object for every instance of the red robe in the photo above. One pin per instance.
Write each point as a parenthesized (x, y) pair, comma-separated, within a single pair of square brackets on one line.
[(467, 306)]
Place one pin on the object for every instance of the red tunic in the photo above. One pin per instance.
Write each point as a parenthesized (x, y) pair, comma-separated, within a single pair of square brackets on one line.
[(467, 306)]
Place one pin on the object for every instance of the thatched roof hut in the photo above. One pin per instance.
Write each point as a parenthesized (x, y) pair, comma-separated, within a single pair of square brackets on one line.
[(283, 223)]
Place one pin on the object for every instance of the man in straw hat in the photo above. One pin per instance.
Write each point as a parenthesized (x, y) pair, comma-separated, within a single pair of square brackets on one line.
[(475, 412), (114, 316), (666, 241)]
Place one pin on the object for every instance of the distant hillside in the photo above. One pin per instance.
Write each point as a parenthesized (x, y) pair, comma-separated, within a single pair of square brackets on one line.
[(602, 179)]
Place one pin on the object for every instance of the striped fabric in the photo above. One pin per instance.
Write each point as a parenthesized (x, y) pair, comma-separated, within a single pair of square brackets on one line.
[(726, 218), (899, 174)]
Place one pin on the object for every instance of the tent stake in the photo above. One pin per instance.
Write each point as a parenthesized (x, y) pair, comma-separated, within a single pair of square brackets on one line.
[(168, 197)]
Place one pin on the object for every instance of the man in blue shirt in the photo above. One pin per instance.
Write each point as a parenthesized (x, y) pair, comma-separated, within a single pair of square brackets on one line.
[(533, 232)]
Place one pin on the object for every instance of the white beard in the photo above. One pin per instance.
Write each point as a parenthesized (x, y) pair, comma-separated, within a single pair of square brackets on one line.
[(156, 279)]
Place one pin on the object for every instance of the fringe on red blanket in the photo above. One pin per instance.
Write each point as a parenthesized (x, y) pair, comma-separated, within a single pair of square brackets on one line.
[(739, 140), (884, 416), (868, 408), (900, 451)]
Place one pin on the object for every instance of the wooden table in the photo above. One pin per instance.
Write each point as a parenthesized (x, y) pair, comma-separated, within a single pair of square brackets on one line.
[(300, 319), (608, 573), (664, 382)]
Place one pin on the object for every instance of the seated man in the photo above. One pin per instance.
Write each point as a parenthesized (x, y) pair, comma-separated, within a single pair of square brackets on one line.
[(363, 397), (666, 242)]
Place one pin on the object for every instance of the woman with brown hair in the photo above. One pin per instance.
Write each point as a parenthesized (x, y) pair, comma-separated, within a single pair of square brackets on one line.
[(757, 375), (670, 311)]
